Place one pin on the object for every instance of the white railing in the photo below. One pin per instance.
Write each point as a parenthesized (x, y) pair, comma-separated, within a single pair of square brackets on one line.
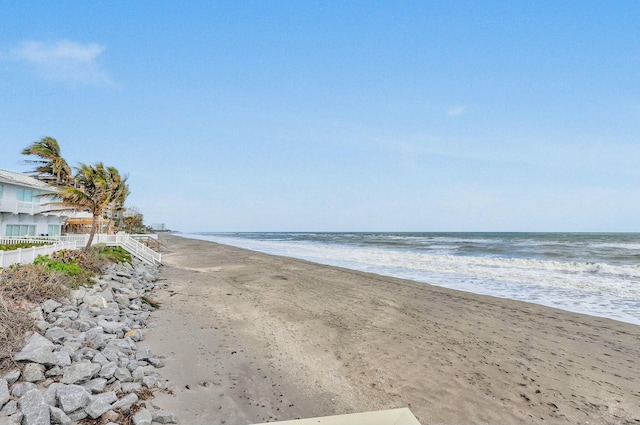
[(123, 240), (16, 207), (28, 255)]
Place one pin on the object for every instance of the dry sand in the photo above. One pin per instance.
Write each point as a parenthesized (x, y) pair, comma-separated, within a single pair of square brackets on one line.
[(253, 338)]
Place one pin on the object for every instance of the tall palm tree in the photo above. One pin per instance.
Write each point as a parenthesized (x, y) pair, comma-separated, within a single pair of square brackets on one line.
[(96, 189), (50, 165)]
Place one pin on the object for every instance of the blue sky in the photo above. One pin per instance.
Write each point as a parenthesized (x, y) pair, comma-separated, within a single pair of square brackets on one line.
[(338, 116)]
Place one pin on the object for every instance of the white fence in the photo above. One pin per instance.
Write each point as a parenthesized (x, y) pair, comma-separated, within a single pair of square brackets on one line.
[(123, 240), (28, 255)]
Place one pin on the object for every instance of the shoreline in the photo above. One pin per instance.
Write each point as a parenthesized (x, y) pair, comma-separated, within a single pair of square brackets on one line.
[(528, 277), (251, 337)]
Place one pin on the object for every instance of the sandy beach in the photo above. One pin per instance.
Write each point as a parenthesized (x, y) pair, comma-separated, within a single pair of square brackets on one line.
[(252, 338)]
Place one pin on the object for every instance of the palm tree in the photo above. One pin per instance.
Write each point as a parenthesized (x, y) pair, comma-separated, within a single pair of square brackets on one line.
[(51, 165), (97, 189)]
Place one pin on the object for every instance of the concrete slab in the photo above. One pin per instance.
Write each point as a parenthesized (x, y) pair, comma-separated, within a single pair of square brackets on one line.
[(402, 416)]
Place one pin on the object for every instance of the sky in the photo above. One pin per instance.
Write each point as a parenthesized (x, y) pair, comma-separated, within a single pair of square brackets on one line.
[(338, 116)]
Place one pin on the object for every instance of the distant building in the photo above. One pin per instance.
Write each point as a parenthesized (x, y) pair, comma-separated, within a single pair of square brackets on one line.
[(22, 207), (158, 227)]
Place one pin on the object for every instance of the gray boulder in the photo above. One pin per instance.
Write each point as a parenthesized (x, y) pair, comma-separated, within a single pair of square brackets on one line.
[(56, 334), (33, 372), (49, 306), (9, 409), (4, 392), (125, 402), (72, 397), (39, 349), (80, 372), (142, 417), (96, 385), (12, 376), (164, 418), (21, 388), (34, 408), (100, 404), (58, 416)]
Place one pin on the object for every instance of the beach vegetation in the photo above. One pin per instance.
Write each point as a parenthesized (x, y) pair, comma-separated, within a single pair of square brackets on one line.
[(115, 254), (21, 245)]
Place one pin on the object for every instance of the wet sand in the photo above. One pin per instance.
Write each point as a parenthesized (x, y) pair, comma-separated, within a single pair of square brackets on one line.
[(251, 338)]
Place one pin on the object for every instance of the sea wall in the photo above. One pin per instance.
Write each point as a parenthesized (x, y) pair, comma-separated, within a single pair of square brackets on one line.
[(84, 361)]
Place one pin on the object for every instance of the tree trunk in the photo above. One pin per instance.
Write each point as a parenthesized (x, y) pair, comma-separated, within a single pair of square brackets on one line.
[(94, 227)]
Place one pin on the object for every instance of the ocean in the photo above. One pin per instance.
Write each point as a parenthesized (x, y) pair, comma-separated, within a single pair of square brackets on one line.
[(591, 273)]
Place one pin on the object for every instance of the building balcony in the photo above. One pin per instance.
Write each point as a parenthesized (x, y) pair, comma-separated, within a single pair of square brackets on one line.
[(21, 207)]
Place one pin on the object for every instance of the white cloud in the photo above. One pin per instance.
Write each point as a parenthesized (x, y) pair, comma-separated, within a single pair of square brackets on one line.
[(457, 110), (64, 60)]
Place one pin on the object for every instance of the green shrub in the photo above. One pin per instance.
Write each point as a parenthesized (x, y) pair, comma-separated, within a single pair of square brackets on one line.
[(73, 274), (115, 254), (21, 245)]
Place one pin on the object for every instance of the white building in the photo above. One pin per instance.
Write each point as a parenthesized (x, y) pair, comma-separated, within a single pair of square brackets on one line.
[(22, 212)]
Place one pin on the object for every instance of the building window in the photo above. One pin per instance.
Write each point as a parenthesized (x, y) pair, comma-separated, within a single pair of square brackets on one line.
[(28, 195), (1, 188), (53, 230), (17, 230)]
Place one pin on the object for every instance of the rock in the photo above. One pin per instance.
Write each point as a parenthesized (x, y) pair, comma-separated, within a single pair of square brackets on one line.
[(4, 392), (72, 397), (135, 334), (142, 417), (100, 359), (155, 362), (95, 337), (39, 349), (110, 416), (9, 409), (96, 385), (100, 404), (58, 416), (49, 306), (150, 381), (164, 418), (77, 295), (138, 374), (78, 415), (123, 301), (21, 388), (15, 419), (111, 327), (63, 322), (125, 402), (95, 301), (122, 374), (12, 376), (34, 408), (108, 370), (51, 394), (33, 372), (130, 387), (56, 334), (144, 354), (80, 372), (36, 314), (54, 371)]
